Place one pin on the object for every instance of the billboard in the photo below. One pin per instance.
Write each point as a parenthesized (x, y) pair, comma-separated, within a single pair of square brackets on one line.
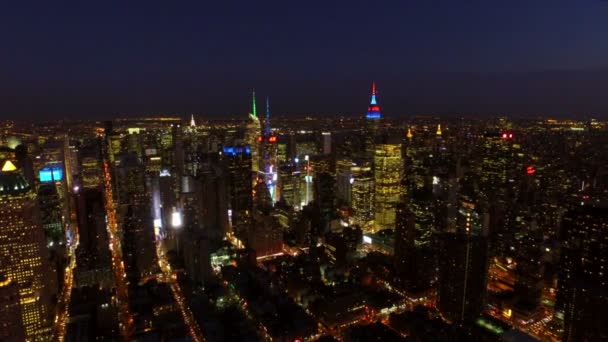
[(50, 174)]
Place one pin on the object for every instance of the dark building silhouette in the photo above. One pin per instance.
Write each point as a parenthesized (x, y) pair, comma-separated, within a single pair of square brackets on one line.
[(583, 279), (237, 163)]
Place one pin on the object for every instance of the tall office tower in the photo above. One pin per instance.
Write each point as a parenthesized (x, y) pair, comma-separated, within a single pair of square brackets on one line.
[(415, 258), (133, 142), (528, 254), (11, 326), (168, 199), (24, 162), (362, 194), (269, 162), (344, 180), (583, 279), (197, 256), (93, 264), (195, 245), (372, 123), (252, 133), (266, 235), (325, 196), (134, 210), (283, 155), (237, 165), (51, 214), (262, 200), (326, 136), (417, 173), (289, 179), (113, 141), (90, 166), (214, 204), (496, 155), (388, 170), (23, 252), (51, 218), (70, 161), (463, 264)]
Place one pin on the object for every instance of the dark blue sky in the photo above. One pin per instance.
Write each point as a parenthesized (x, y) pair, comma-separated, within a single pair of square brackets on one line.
[(100, 58)]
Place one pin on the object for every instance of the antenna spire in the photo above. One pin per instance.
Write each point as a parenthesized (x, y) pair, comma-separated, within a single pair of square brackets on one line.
[(255, 113), (267, 116)]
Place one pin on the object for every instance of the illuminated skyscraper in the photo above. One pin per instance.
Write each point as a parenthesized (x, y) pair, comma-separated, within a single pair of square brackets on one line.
[(372, 123), (269, 159), (90, 164), (290, 185), (23, 252), (252, 133), (388, 170), (237, 162), (362, 194)]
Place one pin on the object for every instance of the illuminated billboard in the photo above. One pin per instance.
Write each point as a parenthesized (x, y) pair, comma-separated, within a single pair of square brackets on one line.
[(50, 174)]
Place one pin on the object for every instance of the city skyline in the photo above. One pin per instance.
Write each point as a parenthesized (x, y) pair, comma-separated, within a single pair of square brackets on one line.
[(304, 172)]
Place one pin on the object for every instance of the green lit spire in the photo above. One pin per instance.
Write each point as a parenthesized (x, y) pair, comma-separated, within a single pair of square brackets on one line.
[(255, 113)]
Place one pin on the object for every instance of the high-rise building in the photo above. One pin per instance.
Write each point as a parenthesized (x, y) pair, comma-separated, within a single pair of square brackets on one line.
[(388, 170), (134, 201), (326, 136), (344, 180), (583, 279), (362, 194), (252, 133), (371, 126), (90, 164), (528, 255), (463, 264), (237, 163), (93, 264), (11, 325), (415, 259), (269, 159), (23, 251), (51, 214), (290, 183), (325, 195), (214, 204)]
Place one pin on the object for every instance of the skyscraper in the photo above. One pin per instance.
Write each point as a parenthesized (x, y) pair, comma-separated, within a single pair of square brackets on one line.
[(463, 264), (415, 260), (139, 247), (362, 194), (252, 133), (388, 170), (11, 326), (372, 123), (583, 279), (269, 159), (237, 163), (23, 252), (344, 179)]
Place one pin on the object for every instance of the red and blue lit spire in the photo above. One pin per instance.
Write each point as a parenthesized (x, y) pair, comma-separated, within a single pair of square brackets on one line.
[(373, 110)]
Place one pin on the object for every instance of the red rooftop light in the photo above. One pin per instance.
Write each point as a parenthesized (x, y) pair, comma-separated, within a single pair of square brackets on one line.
[(530, 170)]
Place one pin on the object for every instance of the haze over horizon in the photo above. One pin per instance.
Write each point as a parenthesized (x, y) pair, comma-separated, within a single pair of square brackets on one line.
[(447, 58)]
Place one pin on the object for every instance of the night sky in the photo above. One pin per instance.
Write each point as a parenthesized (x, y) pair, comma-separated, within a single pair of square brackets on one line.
[(100, 59)]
